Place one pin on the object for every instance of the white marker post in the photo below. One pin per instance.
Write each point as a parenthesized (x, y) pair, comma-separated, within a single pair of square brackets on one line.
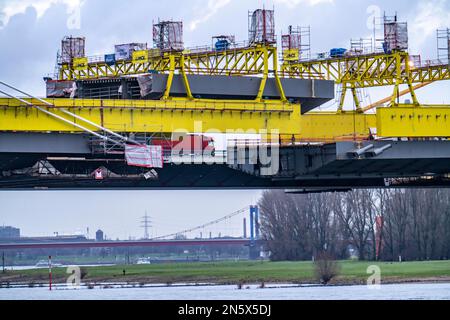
[(50, 272)]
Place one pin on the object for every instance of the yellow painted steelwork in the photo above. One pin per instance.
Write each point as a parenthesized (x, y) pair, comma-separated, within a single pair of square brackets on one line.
[(80, 64), (363, 71), (352, 72), (291, 55), (256, 60), (245, 61), (242, 61), (359, 71), (140, 56), (330, 126), (413, 122), (211, 116), (154, 116)]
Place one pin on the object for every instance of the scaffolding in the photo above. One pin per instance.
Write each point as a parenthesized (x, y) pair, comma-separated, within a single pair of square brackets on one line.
[(261, 27), (361, 46), (395, 35), (443, 45), (72, 47), (168, 36), (415, 61), (296, 44)]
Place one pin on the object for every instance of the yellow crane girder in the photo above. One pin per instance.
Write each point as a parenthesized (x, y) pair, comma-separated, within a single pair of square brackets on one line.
[(256, 60), (241, 61), (219, 116), (364, 71), (412, 122), (352, 72), (149, 116)]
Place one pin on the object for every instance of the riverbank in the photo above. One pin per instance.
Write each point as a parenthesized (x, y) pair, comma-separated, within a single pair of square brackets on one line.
[(351, 273)]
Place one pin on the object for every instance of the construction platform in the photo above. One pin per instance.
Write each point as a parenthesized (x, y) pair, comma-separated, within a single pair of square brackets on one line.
[(98, 108)]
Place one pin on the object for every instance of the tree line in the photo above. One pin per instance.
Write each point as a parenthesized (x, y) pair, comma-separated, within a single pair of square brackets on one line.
[(390, 225)]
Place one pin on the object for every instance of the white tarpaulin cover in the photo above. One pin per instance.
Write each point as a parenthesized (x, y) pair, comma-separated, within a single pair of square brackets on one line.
[(125, 51), (144, 156)]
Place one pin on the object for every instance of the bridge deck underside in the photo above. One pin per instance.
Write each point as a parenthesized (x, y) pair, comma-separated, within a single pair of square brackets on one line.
[(208, 179), (322, 166)]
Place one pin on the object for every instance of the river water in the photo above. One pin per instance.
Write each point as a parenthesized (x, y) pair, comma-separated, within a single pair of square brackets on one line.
[(184, 292)]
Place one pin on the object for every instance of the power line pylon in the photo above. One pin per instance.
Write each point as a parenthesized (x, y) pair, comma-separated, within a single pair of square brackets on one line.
[(146, 224)]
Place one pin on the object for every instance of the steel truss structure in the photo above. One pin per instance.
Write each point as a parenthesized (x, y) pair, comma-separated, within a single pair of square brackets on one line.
[(366, 71), (352, 71), (257, 60)]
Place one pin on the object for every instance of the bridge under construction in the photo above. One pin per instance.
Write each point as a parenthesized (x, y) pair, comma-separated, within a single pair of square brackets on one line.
[(104, 117)]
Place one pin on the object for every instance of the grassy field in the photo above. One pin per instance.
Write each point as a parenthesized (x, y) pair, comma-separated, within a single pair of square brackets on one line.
[(352, 272)]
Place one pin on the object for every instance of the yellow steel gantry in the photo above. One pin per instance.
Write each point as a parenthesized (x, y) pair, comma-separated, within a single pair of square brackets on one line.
[(205, 115), (240, 61), (255, 60), (352, 72), (364, 71)]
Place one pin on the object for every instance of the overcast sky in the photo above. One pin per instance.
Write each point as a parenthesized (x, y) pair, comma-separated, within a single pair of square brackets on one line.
[(30, 35)]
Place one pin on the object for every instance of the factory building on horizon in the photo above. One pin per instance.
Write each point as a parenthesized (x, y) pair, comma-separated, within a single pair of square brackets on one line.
[(8, 232)]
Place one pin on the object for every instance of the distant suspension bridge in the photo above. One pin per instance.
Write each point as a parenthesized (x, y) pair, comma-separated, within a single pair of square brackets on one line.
[(173, 239)]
